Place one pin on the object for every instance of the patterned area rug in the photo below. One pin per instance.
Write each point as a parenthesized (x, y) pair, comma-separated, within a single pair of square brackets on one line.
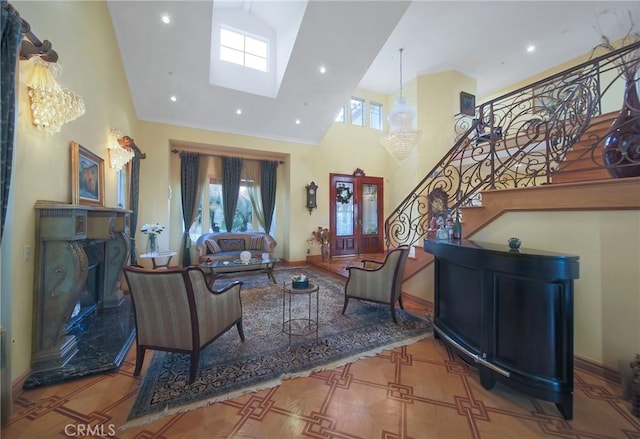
[(229, 368)]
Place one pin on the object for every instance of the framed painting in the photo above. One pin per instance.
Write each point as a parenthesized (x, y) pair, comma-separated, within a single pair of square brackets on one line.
[(87, 177), (467, 104)]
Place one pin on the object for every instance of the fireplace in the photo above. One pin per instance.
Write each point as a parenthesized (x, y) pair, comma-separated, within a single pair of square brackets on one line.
[(79, 258)]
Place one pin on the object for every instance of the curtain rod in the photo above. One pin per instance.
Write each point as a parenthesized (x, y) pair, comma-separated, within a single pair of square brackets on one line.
[(176, 151), (32, 46)]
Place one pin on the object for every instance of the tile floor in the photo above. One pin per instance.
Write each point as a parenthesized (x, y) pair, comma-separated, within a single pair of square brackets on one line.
[(419, 391)]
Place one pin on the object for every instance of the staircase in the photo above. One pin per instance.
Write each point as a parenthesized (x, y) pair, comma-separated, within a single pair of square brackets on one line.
[(581, 162), (537, 148)]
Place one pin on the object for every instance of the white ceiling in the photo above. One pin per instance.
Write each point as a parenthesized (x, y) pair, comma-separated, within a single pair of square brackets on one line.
[(358, 42)]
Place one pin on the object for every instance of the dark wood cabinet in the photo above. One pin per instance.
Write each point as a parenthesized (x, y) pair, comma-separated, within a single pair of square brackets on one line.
[(510, 314)]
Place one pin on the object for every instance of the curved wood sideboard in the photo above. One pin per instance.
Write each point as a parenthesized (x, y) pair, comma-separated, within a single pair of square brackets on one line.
[(510, 314)]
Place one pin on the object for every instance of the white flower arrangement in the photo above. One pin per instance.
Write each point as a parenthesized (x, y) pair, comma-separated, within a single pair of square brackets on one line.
[(152, 229)]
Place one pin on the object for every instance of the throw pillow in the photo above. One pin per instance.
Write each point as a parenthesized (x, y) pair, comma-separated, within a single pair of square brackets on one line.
[(212, 246), (256, 242), (228, 245)]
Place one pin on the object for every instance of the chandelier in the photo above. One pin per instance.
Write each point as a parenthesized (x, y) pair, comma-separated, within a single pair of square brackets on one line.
[(119, 153), (51, 105), (401, 138)]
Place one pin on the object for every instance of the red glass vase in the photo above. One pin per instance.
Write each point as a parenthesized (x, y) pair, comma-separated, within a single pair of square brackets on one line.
[(621, 147)]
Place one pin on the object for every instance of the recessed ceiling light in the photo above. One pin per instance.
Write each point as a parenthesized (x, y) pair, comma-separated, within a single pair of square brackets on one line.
[(239, 111), (297, 121), (173, 98), (323, 69), (166, 19), (531, 48)]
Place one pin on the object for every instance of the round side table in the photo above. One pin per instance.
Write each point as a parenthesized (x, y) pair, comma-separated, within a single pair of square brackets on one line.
[(299, 326)]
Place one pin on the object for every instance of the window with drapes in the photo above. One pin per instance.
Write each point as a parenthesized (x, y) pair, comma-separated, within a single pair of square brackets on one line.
[(249, 212)]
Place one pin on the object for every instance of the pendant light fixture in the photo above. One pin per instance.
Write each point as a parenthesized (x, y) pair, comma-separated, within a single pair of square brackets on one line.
[(402, 138)]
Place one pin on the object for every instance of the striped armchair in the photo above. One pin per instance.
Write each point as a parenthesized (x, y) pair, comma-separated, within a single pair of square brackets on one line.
[(378, 281), (176, 311)]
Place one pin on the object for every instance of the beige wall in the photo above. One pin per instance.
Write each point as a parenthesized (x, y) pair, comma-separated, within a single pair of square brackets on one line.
[(343, 149), (82, 34)]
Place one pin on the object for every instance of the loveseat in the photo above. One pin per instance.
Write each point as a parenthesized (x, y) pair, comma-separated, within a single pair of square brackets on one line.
[(226, 246)]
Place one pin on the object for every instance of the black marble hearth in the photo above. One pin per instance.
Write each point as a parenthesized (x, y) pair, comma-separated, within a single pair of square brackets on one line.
[(103, 341)]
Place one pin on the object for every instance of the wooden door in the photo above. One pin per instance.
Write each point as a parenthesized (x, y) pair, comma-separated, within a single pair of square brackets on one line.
[(356, 214)]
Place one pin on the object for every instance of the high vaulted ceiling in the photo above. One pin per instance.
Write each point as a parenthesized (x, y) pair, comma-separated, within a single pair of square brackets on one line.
[(357, 42)]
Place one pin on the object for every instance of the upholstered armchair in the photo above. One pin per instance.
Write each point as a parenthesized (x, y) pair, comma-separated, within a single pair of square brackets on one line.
[(176, 311), (378, 281)]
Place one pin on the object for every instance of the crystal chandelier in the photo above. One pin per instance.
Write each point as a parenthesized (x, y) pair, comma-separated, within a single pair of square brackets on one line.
[(119, 155), (401, 138), (51, 105)]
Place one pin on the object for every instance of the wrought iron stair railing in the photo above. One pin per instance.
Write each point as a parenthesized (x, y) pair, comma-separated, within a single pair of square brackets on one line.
[(524, 139)]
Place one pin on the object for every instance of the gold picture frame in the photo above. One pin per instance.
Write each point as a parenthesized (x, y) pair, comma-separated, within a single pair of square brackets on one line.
[(87, 177)]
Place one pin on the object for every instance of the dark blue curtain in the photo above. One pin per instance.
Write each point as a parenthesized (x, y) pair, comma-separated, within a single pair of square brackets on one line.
[(133, 196), (231, 171), (189, 164), (11, 37), (268, 178)]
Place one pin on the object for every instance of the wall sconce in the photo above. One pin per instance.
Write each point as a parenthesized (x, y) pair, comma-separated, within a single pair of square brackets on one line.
[(312, 190), (119, 151), (51, 105)]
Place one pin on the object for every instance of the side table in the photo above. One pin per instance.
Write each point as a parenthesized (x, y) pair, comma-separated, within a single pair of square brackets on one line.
[(153, 256), (299, 326)]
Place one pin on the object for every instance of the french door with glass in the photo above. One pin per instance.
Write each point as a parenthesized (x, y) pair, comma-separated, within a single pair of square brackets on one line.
[(356, 208)]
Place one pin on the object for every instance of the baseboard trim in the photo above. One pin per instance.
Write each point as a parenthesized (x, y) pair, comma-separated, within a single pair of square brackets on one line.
[(427, 305), (17, 386), (589, 366)]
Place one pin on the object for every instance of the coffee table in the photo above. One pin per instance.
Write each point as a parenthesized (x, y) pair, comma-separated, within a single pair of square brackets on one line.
[(218, 269)]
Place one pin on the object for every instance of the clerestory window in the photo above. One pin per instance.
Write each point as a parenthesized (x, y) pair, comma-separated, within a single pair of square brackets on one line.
[(244, 50)]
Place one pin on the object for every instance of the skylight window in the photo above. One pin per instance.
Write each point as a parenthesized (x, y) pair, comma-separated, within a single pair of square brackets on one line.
[(241, 49)]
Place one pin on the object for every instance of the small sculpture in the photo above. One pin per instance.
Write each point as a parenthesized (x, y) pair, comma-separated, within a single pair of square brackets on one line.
[(514, 243), (245, 257)]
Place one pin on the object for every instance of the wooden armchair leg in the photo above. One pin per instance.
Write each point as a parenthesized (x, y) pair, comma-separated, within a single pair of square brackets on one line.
[(240, 330), (139, 360), (400, 302), (195, 359), (346, 301), (393, 313)]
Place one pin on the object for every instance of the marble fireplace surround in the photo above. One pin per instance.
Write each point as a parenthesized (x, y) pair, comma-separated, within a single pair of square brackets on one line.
[(81, 324)]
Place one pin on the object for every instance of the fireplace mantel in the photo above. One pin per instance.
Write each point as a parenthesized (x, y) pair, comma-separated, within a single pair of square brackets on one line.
[(79, 255)]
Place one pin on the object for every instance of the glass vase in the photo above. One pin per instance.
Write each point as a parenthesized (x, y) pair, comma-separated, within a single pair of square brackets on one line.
[(152, 245), (325, 250), (621, 147)]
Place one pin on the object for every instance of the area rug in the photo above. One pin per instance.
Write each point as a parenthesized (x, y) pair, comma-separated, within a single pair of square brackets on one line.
[(229, 368)]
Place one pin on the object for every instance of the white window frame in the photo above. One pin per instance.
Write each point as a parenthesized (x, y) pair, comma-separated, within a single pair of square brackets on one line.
[(351, 107), (243, 52), (379, 125)]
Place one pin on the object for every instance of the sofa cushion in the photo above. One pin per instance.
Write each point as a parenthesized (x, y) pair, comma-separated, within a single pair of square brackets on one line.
[(256, 243), (227, 245), (212, 246)]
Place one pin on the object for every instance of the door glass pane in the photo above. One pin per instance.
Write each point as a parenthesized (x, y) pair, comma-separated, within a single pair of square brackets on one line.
[(344, 209), (369, 209)]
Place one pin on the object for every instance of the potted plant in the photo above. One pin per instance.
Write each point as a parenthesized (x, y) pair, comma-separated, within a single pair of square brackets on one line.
[(322, 236)]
